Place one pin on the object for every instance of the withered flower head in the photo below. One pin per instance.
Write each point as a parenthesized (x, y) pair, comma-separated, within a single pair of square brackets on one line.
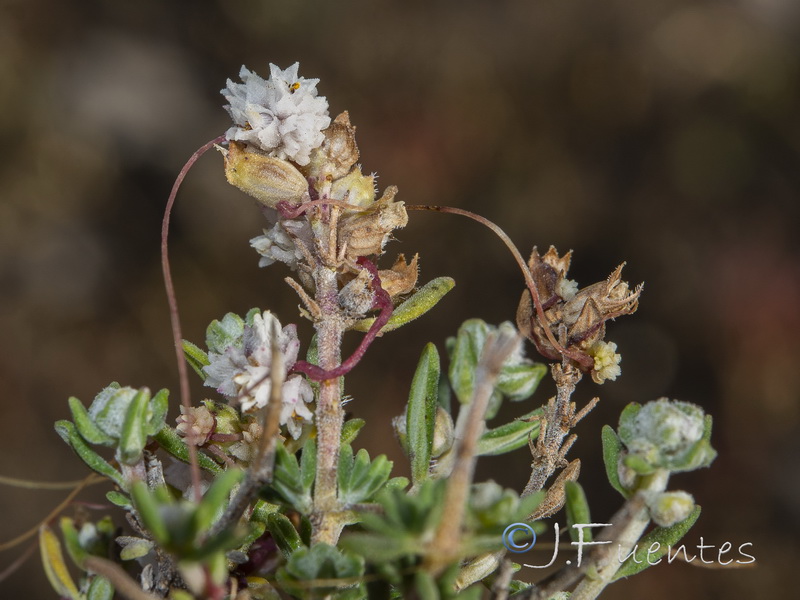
[(575, 319)]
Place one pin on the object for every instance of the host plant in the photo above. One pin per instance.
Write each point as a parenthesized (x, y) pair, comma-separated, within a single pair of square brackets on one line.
[(260, 491)]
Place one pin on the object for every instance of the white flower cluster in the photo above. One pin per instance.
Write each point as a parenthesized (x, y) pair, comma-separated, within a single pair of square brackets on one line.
[(282, 115), (248, 365), (606, 361), (278, 243)]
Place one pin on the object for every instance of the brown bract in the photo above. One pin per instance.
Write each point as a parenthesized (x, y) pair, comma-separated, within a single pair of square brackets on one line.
[(338, 153), (402, 277), (365, 233), (575, 318)]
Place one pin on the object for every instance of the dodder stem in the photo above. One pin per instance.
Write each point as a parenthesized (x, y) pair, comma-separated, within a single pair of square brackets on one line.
[(174, 316)]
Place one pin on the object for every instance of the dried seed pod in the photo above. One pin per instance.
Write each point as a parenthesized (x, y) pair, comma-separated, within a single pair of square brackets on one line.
[(269, 180), (402, 277), (355, 188), (338, 153), (366, 233)]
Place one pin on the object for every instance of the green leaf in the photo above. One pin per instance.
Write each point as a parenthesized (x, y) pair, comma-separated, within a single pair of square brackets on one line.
[(100, 589), (425, 586), (70, 434), (519, 382), (627, 418), (350, 430), (86, 427), (421, 413), (133, 436), (308, 465), (510, 436), (148, 507), (414, 307), (227, 332), (320, 562), (77, 553), (135, 548), (157, 416), (196, 358), (467, 349), (216, 498), (665, 537), (577, 511), (360, 479), (171, 442), (612, 447), (289, 486), (284, 534), (118, 499), (54, 566)]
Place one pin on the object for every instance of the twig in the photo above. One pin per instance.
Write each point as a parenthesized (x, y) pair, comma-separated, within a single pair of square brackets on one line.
[(174, 317), (122, 582), (496, 350), (558, 418), (503, 581), (90, 479), (526, 272), (261, 467), (382, 302)]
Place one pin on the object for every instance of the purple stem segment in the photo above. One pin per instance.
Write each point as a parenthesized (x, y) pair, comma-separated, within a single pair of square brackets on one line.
[(382, 302)]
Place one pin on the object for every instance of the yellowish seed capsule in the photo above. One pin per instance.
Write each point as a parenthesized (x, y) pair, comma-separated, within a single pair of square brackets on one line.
[(269, 180)]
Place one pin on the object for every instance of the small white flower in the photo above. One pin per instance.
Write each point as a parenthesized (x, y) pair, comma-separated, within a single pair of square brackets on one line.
[(278, 243), (281, 115), (567, 288), (243, 372), (606, 362)]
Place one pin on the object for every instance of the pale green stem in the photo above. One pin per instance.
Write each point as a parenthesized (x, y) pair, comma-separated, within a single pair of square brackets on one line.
[(603, 568), (444, 547)]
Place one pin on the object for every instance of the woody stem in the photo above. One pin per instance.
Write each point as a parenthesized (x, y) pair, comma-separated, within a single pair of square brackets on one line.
[(329, 413)]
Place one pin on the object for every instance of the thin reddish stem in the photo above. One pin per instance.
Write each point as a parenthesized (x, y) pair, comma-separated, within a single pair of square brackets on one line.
[(383, 302), (292, 211), (174, 316), (526, 272)]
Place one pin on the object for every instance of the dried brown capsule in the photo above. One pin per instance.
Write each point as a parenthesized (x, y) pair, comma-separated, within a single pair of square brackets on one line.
[(365, 233), (269, 180), (576, 318), (338, 153)]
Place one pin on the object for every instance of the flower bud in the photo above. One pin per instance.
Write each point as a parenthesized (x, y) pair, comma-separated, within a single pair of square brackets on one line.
[(668, 508), (269, 180), (443, 433), (665, 434)]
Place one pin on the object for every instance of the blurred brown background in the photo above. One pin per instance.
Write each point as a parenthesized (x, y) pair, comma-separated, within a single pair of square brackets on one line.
[(660, 132)]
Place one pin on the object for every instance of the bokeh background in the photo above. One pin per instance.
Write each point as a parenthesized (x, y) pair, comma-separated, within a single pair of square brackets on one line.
[(663, 133)]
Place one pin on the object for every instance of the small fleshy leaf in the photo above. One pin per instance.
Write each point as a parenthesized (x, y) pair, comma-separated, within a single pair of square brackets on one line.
[(421, 413), (665, 537), (171, 442), (414, 307), (612, 446), (133, 436), (350, 430), (86, 427), (466, 352), (196, 358), (510, 436), (577, 510), (70, 434), (157, 416), (100, 588), (284, 533)]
